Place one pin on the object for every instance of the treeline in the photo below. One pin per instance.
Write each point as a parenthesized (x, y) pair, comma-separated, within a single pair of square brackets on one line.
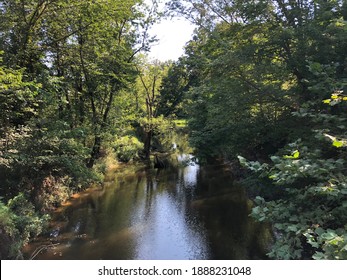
[(74, 88), (268, 89)]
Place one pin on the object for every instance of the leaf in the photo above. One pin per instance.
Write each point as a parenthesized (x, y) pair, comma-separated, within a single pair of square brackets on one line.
[(242, 160), (279, 226), (294, 155), (337, 144), (319, 231), (261, 219), (293, 228), (314, 244), (318, 256), (329, 235), (256, 210)]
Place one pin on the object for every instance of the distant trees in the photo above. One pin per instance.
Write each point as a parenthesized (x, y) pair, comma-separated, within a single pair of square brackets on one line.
[(173, 89), (157, 101)]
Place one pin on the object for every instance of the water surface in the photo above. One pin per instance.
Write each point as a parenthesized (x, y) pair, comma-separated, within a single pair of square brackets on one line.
[(182, 212)]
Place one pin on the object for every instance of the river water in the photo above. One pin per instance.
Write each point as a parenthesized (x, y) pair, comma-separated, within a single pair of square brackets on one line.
[(183, 212)]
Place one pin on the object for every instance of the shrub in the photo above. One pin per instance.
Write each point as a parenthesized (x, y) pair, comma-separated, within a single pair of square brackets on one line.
[(127, 148), (310, 220), (18, 224)]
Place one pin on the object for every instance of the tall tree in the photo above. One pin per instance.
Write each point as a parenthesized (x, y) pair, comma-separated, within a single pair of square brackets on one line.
[(172, 90), (149, 80)]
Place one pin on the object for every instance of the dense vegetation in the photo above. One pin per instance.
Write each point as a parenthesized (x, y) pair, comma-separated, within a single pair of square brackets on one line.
[(262, 84), (70, 93), (268, 85)]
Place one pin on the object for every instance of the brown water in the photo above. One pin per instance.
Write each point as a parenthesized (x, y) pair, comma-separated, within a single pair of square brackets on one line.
[(183, 212)]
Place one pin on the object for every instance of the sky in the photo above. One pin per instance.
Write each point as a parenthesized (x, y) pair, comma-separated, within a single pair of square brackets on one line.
[(173, 34)]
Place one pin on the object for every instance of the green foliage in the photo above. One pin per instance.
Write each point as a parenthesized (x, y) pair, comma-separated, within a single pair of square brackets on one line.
[(7, 231), (20, 223), (6, 219), (27, 222), (309, 221), (162, 132), (252, 64), (52, 192), (258, 73), (83, 55), (332, 242), (18, 99), (66, 92), (172, 91), (127, 148), (151, 98), (35, 154)]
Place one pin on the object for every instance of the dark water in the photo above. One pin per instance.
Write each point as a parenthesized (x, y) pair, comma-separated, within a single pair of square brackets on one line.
[(183, 212)]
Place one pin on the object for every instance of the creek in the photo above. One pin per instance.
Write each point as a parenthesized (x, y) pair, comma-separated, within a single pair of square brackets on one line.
[(185, 211)]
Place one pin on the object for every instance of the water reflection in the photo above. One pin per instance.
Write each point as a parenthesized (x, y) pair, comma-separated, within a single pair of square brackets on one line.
[(168, 232), (184, 212)]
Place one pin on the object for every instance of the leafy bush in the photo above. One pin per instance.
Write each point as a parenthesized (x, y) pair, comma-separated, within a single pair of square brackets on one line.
[(18, 224), (35, 154), (51, 193), (7, 230), (310, 220), (127, 148)]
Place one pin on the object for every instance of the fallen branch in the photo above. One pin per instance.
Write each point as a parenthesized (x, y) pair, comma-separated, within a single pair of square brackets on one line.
[(41, 248)]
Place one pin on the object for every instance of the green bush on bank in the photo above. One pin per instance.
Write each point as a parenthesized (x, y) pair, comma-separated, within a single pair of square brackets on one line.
[(19, 222), (127, 148), (310, 219)]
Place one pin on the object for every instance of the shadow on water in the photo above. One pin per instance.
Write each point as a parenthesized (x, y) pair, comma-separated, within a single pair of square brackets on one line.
[(182, 212)]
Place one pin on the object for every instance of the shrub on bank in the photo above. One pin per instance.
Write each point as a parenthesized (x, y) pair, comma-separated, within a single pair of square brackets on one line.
[(127, 148), (19, 222)]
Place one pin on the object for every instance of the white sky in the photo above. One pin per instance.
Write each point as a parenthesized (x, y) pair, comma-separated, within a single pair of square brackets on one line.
[(173, 34)]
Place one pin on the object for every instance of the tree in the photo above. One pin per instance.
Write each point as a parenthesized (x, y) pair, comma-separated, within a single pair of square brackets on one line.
[(149, 79), (172, 90), (256, 56), (21, 29)]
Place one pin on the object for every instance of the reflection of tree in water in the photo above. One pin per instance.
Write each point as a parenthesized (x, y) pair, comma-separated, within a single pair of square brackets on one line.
[(149, 192), (224, 208), (201, 204)]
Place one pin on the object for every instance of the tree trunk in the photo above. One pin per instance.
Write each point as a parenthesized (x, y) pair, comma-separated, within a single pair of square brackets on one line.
[(95, 151), (147, 143)]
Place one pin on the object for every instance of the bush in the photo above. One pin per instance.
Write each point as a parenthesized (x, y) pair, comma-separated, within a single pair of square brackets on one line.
[(127, 148), (310, 220), (18, 224)]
